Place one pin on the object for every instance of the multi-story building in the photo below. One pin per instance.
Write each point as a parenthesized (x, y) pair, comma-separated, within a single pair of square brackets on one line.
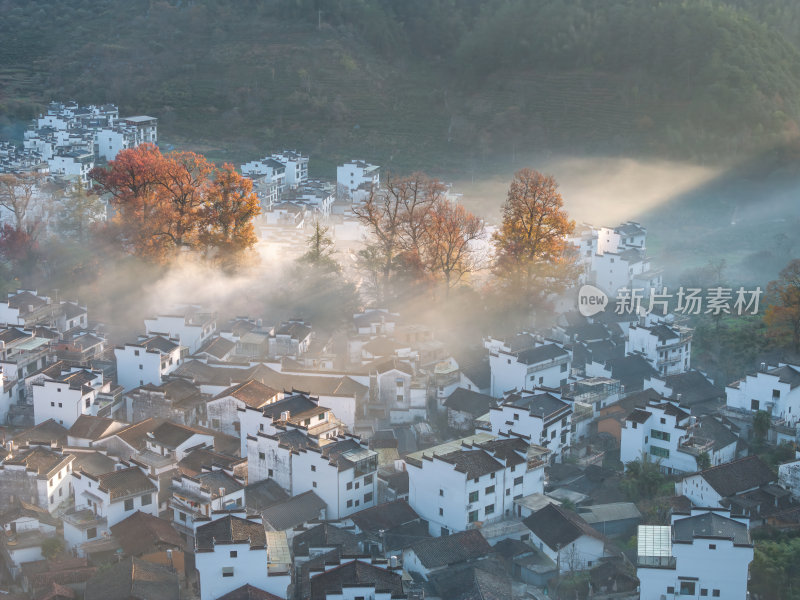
[(198, 496), (147, 362), (541, 364), (357, 174), (67, 396), (462, 484), (116, 495), (706, 553), (191, 327), (298, 412), (775, 390), (341, 470), (663, 433), (666, 347), (36, 473), (542, 417), (232, 549), (223, 409), (295, 165)]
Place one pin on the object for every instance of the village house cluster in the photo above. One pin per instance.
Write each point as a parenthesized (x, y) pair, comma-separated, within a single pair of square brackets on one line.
[(68, 140), (227, 458)]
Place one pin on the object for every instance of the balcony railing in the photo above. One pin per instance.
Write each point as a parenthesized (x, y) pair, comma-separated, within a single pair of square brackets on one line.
[(696, 446), (656, 562)]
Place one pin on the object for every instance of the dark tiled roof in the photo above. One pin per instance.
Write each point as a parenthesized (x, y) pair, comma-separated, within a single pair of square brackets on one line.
[(126, 482), (509, 548), (293, 512), (197, 459), (542, 404), (663, 333), (248, 592), (787, 374), (263, 494), (512, 450), (252, 393), (474, 364), (171, 435), (384, 516), (45, 432), (710, 525), (90, 427), (450, 549), (212, 481), (631, 371), (540, 354), (468, 401), (383, 438), (159, 343), (474, 463), (38, 459), (694, 388), (384, 365), (325, 535), (136, 435), (355, 572), (134, 579), (558, 527), (738, 476), (294, 439), (397, 481), (217, 347), (93, 463), (141, 533), (382, 346), (639, 416), (713, 429), (230, 528), (294, 404)]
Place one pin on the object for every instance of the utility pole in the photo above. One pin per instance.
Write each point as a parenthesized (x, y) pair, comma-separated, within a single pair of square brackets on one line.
[(319, 20)]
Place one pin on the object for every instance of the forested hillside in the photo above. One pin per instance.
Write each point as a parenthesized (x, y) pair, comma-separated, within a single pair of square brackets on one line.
[(459, 83)]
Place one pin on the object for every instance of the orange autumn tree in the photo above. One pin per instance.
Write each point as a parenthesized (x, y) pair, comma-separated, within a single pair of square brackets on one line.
[(782, 315), (227, 216), (532, 253), (177, 201), (449, 243)]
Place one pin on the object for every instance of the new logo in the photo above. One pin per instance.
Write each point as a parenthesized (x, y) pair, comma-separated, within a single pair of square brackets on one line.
[(591, 300)]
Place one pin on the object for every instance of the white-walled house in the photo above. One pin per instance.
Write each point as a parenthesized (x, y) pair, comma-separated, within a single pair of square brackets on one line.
[(357, 173), (342, 471), (192, 328), (198, 496), (299, 412), (147, 361), (223, 409), (356, 578), (116, 495), (66, 397), (666, 347), (775, 390), (82, 525), (665, 434), (706, 553), (37, 473), (723, 482), (232, 550), (566, 538), (547, 364), (174, 440), (464, 483), (26, 528), (295, 166), (543, 417)]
